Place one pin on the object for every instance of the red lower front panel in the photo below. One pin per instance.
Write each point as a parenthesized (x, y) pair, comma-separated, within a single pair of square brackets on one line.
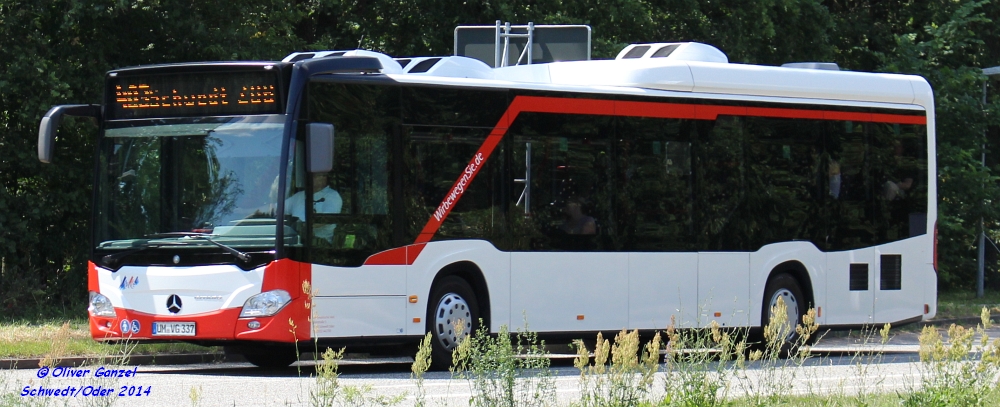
[(289, 325)]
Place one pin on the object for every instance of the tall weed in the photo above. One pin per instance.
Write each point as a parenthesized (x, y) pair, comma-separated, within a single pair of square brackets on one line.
[(956, 373), (778, 360), (629, 377), (696, 365), (421, 363), (505, 371), (329, 392)]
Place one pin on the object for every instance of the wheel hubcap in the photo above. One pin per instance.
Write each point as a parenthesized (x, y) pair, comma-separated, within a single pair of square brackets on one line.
[(452, 320), (791, 309)]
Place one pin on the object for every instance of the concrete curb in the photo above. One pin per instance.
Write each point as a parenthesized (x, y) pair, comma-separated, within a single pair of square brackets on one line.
[(134, 360), (195, 358), (959, 321)]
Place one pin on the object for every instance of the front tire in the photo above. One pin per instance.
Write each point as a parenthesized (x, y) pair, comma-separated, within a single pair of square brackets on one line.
[(269, 358), (452, 316)]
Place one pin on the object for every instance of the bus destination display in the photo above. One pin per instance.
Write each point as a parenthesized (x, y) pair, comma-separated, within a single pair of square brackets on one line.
[(193, 94)]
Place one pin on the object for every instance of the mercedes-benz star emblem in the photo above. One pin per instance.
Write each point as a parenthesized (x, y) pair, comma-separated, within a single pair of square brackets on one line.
[(177, 259), (174, 304)]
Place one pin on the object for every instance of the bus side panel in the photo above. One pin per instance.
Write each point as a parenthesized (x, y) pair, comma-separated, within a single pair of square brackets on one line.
[(494, 265), (905, 299), (331, 281), (846, 306), (723, 288), (359, 301), (360, 316), (765, 260), (570, 291), (660, 289)]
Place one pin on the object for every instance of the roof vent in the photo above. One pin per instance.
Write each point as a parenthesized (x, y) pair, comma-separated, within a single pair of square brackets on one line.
[(678, 51), (403, 62), (423, 66), (826, 66), (454, 67)]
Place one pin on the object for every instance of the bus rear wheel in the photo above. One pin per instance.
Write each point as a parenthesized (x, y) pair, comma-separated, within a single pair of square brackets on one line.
[(784, 288), (452, 316)]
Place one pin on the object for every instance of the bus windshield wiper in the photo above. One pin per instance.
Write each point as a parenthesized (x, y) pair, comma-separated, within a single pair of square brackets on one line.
[(207, 237), (144, 245)]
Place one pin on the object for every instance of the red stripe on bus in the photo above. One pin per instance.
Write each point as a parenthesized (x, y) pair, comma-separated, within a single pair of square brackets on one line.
[(784, 113), (396, 257), (847, 116), (898, 119), (92, 283), (543, 104), (654, 110), (712, 112)]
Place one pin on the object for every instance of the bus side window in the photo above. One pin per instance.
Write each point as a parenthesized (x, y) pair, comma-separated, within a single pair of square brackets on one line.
[(654, 173), (721, 181), (562, 183)]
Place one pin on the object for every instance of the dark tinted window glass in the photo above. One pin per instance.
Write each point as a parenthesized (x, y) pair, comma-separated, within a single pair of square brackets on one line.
[(348, 216), (453, 107), (786, 183), (435, 159), (655, 181), (850, 188), (899, 171), (723, 223), (563, 187)]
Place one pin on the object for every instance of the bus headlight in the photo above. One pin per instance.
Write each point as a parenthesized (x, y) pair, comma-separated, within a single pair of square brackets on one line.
[(100, 305), (265, 304)]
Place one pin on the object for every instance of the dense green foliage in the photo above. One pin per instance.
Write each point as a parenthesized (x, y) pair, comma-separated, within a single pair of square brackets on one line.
[(56, 51)]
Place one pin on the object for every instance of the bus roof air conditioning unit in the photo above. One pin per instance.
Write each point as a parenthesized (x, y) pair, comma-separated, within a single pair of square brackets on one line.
[(453, 67), (826, 66), (674, 51)]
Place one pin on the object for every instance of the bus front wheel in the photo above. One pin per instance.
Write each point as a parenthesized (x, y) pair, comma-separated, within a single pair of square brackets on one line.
[(267, 358), (452, 316)]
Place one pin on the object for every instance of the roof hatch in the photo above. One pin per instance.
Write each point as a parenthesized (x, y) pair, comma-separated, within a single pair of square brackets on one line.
[(677, 51)]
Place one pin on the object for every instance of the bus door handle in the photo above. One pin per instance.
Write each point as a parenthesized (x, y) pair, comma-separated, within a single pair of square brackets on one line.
[(526, 192)]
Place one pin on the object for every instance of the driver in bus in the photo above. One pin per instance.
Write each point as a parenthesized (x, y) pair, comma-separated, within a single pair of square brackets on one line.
[(325, 200)]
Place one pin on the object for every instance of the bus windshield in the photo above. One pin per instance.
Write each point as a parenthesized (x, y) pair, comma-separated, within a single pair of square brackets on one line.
[(177, 179)]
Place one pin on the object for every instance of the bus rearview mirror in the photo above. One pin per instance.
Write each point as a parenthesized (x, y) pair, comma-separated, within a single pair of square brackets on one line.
[(319, 147), (50, 125)]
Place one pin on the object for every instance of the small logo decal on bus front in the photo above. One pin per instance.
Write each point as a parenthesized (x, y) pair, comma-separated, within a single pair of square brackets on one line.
[(129, 282)]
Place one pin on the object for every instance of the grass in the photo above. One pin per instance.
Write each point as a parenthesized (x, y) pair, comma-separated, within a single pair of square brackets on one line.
[(71, 338), (965, 304)]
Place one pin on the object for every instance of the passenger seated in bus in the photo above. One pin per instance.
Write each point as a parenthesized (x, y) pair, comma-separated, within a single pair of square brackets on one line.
[(892, 191), (577, 223), (325, 200)]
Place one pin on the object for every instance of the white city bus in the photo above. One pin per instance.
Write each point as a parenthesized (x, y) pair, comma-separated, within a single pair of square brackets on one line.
[(350, 198)]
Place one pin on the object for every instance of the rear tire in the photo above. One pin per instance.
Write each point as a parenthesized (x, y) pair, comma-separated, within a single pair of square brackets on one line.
[(452, 305), (787, 288)]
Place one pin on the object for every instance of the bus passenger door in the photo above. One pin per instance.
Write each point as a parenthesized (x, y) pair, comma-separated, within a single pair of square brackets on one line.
[(655, 217), (726, 226), (566, 271)]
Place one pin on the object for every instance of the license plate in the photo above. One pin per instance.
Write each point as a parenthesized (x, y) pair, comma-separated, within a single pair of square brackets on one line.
[(173, 329)]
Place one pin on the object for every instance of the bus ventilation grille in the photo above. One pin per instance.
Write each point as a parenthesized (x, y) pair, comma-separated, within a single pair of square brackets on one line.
[(859, 277), (892, 272), (424, 66)]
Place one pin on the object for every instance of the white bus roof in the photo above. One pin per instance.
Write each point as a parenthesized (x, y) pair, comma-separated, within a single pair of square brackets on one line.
[(698, 72)]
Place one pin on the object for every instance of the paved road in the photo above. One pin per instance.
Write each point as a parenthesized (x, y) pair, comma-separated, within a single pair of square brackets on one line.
[(834, 368)]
